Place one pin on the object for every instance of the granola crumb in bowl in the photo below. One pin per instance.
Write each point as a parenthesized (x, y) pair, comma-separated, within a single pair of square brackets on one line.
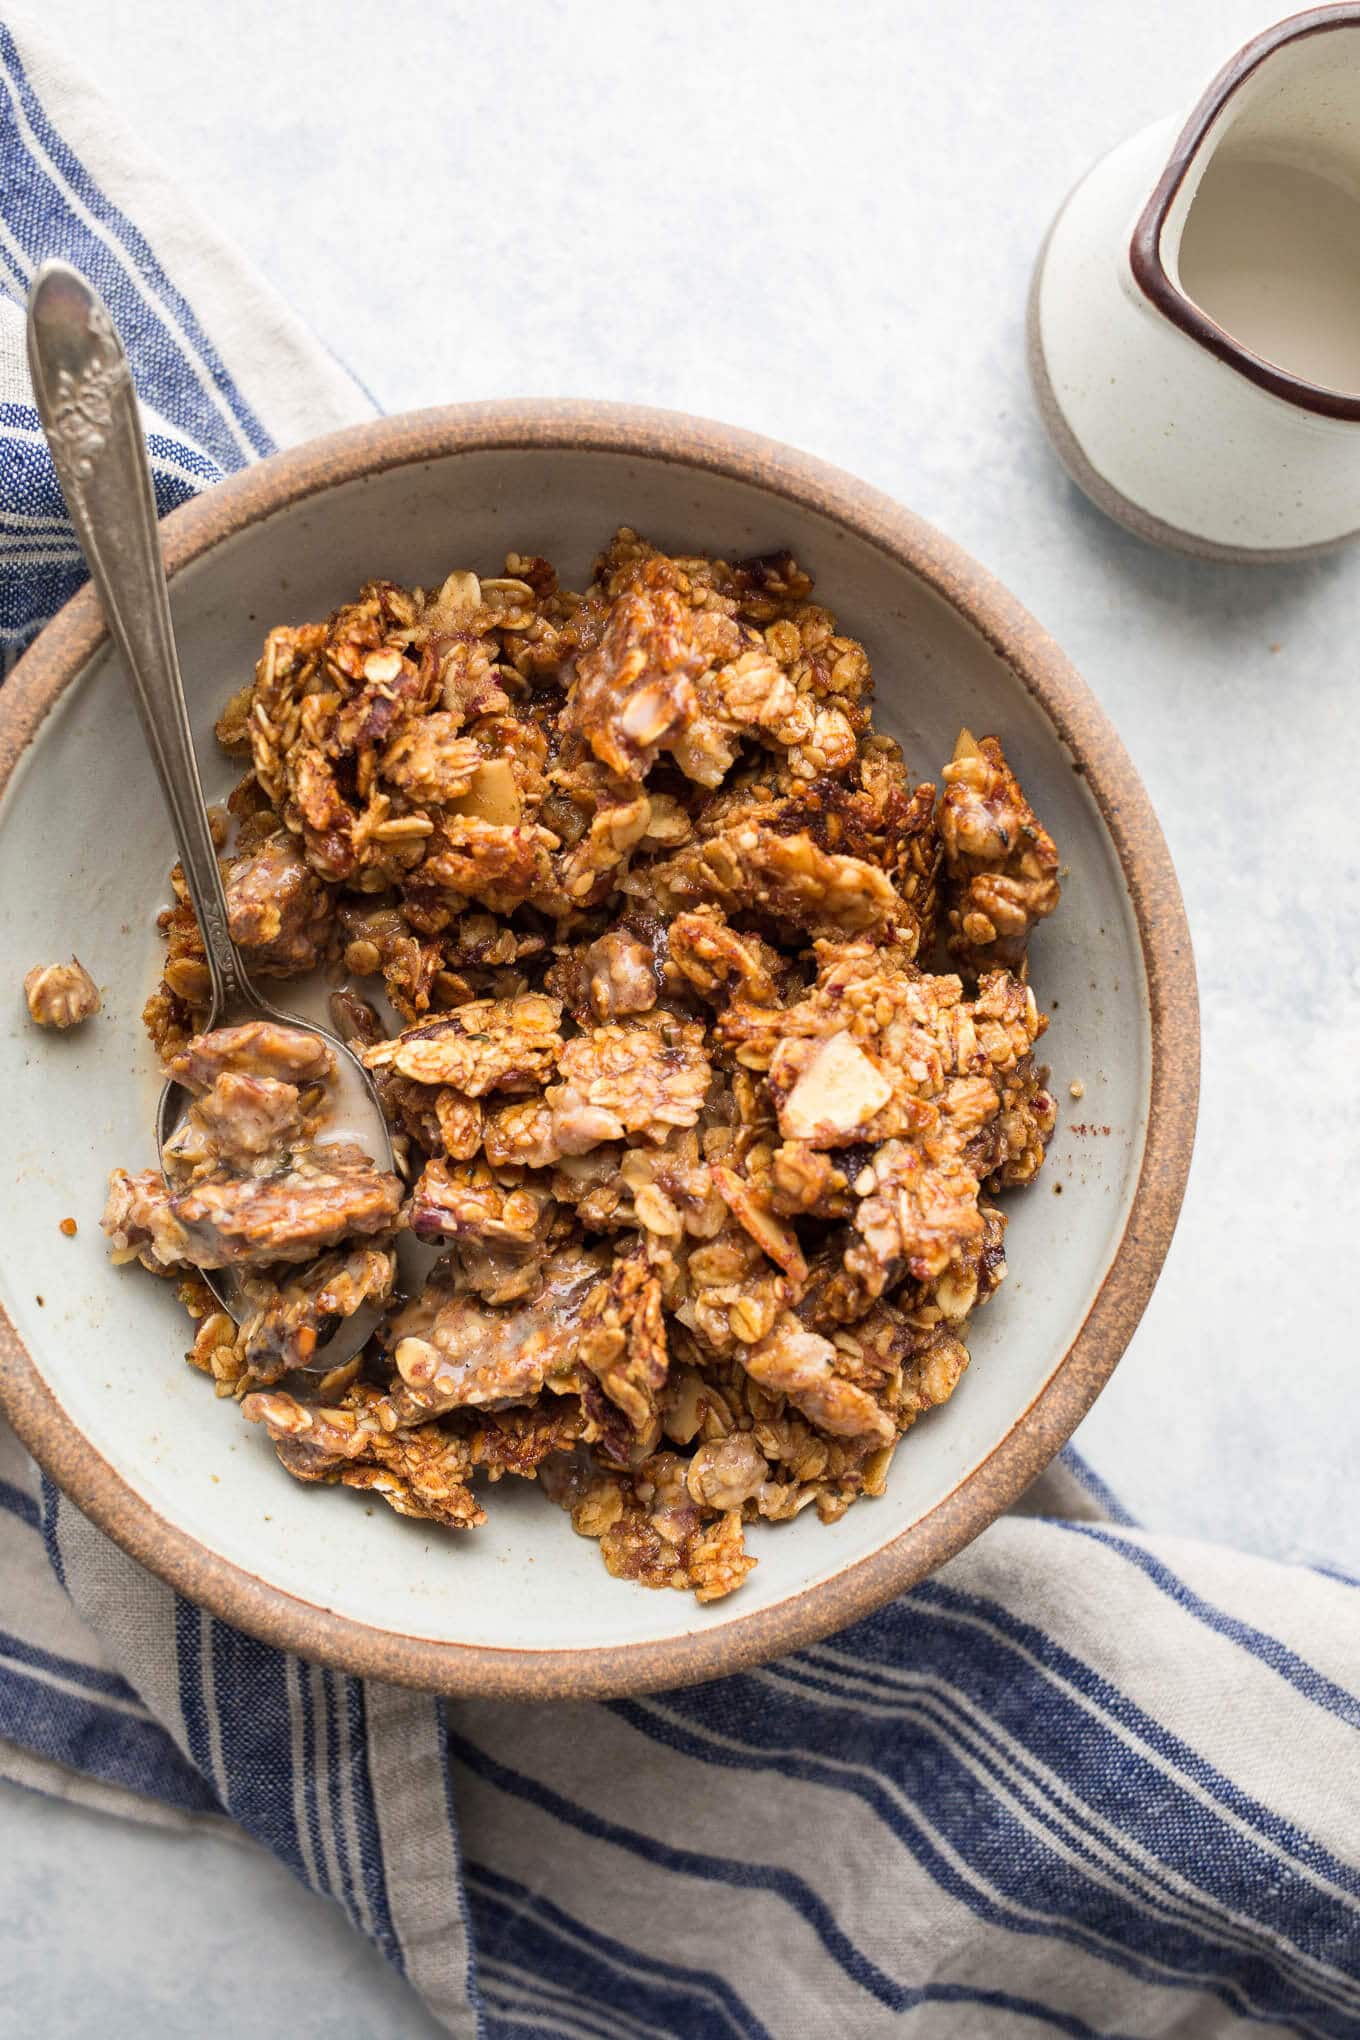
[(520, 1605)]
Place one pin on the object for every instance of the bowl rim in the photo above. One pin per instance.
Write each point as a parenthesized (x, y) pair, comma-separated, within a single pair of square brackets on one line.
[(64, 649)]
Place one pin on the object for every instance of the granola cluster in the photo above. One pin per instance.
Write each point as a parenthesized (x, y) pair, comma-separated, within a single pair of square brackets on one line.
[(705, 1033), (252, 1183), (61, 995)]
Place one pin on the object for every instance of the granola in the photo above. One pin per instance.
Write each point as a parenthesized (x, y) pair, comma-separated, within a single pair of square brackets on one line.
[(705, 1032), (61, 995), (249, 1181), (292, 1313), (1000, 863)]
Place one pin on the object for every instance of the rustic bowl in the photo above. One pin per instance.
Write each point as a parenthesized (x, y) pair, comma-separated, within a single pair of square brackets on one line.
[(91, 1367)]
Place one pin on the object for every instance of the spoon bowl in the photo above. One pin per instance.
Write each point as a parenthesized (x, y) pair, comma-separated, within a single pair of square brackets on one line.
[(355, 1087)]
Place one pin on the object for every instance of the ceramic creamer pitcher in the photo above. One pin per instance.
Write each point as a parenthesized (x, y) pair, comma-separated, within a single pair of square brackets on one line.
[(1195, 316)]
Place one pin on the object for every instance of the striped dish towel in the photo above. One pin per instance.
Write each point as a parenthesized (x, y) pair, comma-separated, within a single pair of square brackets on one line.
[(1087, 1779)]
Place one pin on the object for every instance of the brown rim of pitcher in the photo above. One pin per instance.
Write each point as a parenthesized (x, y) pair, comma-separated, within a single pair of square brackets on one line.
[(1145, 248), (63, 651)]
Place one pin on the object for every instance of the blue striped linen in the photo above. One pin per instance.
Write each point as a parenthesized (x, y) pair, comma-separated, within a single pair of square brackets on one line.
[(1087, 1779)]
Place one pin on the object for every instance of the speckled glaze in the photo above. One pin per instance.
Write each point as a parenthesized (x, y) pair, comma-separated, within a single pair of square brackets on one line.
[(1171, 424), (681, 461)]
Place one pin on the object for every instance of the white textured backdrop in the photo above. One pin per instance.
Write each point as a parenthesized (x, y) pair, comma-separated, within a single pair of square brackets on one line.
[(818, 221)]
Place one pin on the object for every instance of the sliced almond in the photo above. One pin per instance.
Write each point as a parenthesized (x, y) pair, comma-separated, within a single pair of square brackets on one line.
[(778, 1240), (493, 795), (839, 1092), (459, 591), (383, 666), (648, 714)]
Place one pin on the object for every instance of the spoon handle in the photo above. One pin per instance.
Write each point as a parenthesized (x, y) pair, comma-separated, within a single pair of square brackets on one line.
[(83, 387)]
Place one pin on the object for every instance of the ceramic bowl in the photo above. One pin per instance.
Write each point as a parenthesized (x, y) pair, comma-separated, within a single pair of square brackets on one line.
[(91, 1357)]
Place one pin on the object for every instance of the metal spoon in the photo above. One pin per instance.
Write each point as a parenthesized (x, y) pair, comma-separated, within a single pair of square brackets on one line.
[(88, 407)]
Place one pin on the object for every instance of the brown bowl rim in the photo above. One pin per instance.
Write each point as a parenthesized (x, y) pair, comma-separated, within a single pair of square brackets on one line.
[(64, 649)]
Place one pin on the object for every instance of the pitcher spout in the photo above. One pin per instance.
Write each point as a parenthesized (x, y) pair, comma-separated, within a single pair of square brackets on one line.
[(1250, 242)]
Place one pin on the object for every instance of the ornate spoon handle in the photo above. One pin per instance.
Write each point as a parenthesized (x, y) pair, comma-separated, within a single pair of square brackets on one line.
[(83, 387)]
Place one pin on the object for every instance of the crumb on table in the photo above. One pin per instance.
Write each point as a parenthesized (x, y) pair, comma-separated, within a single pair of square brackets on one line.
[(61, 994)]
